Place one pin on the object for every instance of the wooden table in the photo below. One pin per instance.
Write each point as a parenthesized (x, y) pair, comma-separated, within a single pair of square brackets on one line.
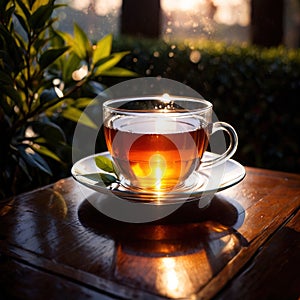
[(245, 245)]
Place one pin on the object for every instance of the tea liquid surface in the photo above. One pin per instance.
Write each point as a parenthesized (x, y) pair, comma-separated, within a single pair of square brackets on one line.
[(156, 153)]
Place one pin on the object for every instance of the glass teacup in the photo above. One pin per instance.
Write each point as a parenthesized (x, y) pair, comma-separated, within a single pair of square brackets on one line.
[(156, 143)]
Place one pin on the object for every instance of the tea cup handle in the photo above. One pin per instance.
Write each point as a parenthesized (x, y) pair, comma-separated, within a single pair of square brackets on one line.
[(231, 149)]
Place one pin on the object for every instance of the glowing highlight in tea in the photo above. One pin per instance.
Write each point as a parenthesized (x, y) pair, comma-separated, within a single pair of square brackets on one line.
[(158, 167), (156, 170)]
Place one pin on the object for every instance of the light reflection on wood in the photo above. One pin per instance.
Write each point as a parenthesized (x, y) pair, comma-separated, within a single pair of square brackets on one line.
[(176, 267), (176, 256)]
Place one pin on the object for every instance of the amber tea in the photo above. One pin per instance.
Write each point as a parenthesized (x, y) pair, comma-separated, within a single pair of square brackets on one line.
[(158, 142), (156, 153)]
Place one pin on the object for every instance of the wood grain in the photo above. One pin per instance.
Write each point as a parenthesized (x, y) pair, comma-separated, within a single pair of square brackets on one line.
[(273, 272), (238, 243)]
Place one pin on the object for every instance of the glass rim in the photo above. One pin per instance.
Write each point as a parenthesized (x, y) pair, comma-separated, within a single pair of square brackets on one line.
[(108, 105)]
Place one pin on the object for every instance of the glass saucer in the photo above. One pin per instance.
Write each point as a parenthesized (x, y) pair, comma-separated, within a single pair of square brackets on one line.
[(203, 182)]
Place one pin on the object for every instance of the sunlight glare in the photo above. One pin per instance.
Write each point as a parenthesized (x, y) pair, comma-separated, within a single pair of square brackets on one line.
[(181, 5), (101, 7), (232, 12), (80, 4), (227, 12), (158, 165), (105, 7)]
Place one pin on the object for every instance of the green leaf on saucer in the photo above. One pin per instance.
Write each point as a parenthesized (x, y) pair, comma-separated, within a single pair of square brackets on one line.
[(104, 164), (100, 178), (108, 179)]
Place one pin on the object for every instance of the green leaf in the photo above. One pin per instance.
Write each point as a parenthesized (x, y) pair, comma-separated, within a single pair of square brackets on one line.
[(67, 37), (60, 5), (33, 159), (13, 52), (67, 64), (48, 95), (3, 5), (22, 44), (13, 94), (50, 131), (23, 22), (84, 102), (35, 4), (31, 3), (39, 18), (49, 56), (92, 176), (82, 45), (103, 48), (45, 151), (7, 15), (76, 115), (55, 107), (94, 87), (24, 168), (119, 72), (115, 58), (23, 10), (101, 178), (107, 178), (104, 164), (56, 40), (7, 106)]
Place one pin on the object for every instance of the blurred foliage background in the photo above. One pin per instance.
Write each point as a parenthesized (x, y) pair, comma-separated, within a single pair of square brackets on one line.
[(48, 76), (254, 89)]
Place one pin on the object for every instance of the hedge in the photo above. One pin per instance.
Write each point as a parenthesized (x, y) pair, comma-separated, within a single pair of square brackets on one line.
[(254, 89)]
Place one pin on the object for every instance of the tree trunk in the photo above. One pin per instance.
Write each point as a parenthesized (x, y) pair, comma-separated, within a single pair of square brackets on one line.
[(267, 22), (141, 18)]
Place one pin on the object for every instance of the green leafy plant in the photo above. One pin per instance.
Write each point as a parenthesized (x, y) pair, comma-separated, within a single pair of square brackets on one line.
[(44, 73)]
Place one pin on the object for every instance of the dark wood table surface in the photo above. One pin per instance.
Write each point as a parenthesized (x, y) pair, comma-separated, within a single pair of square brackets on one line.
[(245, 245)]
